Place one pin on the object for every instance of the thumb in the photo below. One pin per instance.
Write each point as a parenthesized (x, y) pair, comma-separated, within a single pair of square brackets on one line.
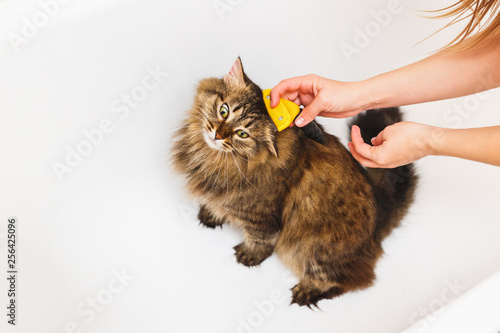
[(309, 113), (379, 139)]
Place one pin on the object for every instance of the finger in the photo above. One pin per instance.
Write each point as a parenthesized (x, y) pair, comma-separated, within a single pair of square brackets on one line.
[(360, 146), (288, 89), (309, 113), (283, 87), (294, 97), (304, 98), (379, 139), (363, 161), (288, 95), (342, 114)]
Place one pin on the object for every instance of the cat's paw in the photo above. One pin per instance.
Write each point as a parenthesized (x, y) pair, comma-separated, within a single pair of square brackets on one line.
[(306, 294), (208, 220), (251, 258)]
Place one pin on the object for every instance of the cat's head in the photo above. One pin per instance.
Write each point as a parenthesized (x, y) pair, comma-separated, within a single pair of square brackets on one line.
[(232, 115)]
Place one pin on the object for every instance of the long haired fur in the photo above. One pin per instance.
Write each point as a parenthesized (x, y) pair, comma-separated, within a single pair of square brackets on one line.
[(311, 203)]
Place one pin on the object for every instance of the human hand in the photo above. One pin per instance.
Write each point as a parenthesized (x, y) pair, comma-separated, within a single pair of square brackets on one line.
[(320, 96), (396, 145)]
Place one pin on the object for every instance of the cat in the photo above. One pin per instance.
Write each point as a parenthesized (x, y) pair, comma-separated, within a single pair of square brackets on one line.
[(307, 200)]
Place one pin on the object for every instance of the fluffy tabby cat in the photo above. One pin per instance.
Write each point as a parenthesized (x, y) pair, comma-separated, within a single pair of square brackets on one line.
[(322, 213)]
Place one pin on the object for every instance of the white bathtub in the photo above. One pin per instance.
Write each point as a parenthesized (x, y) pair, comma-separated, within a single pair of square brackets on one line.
[(477, 310), (120, 210)]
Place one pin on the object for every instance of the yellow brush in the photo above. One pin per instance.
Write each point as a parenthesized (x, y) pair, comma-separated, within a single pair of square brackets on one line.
[(282, 115)]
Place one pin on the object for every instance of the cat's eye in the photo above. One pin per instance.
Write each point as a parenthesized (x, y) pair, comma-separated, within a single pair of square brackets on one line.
[(242, 134), (224, 110)]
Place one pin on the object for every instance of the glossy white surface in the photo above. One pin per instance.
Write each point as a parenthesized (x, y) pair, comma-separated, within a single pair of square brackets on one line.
[(474, 311), (115, 246)]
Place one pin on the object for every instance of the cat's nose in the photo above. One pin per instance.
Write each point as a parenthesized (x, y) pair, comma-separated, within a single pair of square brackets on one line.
[(217, 136)]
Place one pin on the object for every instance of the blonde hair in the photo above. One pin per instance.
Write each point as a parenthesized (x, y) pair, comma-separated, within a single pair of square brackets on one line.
[(484, 22)]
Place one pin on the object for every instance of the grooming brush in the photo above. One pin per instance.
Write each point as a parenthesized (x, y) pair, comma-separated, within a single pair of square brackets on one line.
[(285, 113)]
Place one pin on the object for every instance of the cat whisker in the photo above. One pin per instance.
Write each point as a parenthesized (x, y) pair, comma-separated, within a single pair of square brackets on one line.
[(199, 110), (245, 159), (219, 154), (223, 156), (227, 184), (195, 130), (199, 118), (204, 119), (235, 162)]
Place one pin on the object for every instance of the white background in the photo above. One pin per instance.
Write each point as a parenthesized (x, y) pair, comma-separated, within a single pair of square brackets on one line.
[(122, 209)]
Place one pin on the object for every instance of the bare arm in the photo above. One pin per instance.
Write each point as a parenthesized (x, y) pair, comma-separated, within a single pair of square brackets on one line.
[(441, 76), (476, 144), (405, 142)]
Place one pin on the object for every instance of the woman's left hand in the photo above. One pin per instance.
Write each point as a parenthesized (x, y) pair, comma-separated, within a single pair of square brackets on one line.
[(398, 144)]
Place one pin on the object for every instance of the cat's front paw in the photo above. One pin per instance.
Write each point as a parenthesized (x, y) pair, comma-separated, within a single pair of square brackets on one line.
[(306, 294), (207, 219), (303, 294), (251, 257)]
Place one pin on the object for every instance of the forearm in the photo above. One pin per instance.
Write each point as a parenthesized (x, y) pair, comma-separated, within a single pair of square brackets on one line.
[(441, 76), (476, 144)]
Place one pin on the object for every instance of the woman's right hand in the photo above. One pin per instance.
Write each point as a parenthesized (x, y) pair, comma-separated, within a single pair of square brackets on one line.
[(320, 96)]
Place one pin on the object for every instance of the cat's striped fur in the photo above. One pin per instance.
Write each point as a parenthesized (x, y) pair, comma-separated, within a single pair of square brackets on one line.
[(313, 204)]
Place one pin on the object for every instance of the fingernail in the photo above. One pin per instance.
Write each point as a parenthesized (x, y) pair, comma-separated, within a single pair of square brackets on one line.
[(300, 121)]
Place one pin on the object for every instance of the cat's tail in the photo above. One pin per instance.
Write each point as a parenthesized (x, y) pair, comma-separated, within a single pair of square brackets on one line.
[(394, 188)]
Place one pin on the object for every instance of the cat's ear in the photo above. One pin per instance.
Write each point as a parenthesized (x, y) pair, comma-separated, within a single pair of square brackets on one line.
[(271, 145), (235, 75)]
